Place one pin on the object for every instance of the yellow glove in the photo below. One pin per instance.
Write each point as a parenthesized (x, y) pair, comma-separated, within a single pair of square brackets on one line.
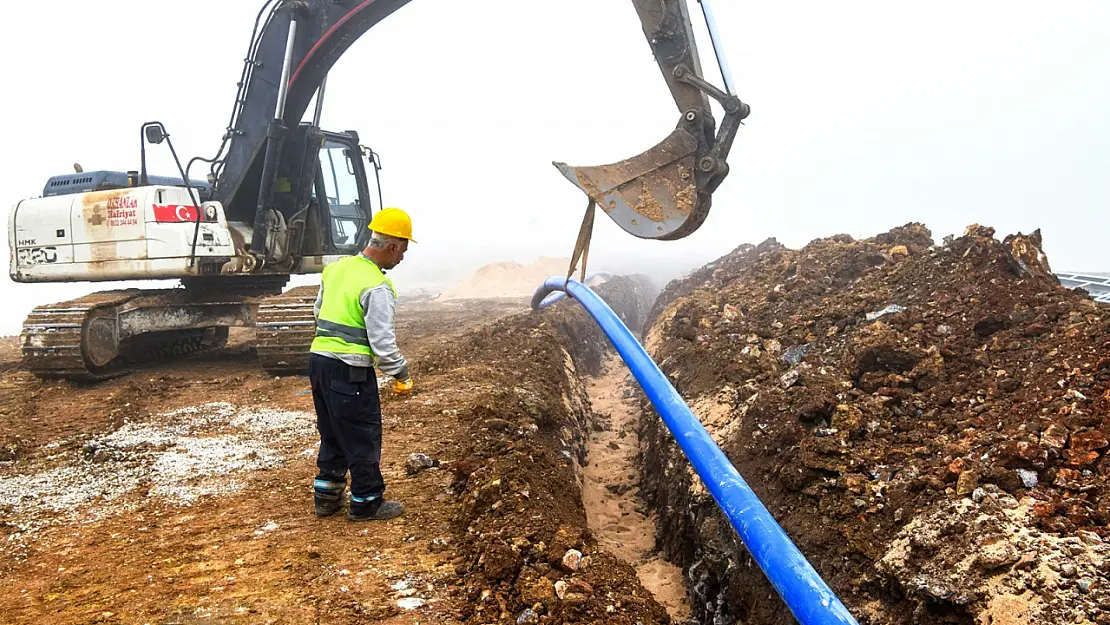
[(402, 387)]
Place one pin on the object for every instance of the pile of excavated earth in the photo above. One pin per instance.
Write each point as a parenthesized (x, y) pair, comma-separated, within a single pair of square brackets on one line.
[(928, 422), (182, 494), (505, 280)]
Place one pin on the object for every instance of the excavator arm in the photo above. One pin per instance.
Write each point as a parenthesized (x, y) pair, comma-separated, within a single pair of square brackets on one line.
[(666, 192), (269, 182), (295, 44), (663, 193)]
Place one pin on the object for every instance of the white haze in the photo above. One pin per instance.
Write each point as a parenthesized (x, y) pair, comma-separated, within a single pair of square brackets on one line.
[(865, 116)]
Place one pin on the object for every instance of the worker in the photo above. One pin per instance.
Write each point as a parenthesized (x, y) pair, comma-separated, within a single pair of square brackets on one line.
[(354, 334)]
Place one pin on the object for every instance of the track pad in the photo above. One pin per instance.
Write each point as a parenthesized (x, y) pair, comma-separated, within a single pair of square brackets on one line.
[(652, 195)]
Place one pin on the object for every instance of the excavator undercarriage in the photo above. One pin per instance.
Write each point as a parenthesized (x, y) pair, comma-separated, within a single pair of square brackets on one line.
[(285, 328), (109, 333), (103, 335)]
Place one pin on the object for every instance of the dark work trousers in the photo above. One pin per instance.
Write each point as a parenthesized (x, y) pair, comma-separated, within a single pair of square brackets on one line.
[(349, 419)]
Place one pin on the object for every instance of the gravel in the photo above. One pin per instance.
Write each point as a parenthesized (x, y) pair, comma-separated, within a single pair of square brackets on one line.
[(176, 457)]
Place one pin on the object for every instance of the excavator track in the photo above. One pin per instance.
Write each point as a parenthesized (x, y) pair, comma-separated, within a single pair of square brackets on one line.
[(79, 339), (285, 327), (55, 340)]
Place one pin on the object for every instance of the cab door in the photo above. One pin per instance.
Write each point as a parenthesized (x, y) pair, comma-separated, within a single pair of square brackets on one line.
[(343, 195)]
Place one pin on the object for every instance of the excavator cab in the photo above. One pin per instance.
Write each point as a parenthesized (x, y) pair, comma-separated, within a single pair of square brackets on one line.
[(343, 183), (323, 197)]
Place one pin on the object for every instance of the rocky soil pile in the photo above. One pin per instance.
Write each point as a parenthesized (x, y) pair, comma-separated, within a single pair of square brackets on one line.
[(927, 421), (527, 555), (190, 483)]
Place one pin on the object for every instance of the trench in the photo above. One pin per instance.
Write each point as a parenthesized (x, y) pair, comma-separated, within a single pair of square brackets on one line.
[(615, 512)]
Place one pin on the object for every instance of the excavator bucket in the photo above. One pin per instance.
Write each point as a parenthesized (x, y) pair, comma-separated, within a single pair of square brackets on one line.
[(653, 195)]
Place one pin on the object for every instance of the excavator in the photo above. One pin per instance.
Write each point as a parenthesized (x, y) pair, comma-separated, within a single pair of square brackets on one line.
[(284, 197)]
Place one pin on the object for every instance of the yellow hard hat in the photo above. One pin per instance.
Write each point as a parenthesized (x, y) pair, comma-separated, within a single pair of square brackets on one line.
[(393, 222)]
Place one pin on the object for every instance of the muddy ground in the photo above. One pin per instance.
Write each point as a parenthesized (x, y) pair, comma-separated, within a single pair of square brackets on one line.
[(927, 420), (182, 494)]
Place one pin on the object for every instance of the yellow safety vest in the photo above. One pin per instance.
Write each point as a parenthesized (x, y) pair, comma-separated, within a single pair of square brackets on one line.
[(340, 326)]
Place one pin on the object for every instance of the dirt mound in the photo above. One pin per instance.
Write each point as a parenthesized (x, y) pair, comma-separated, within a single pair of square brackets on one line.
[(506, 280), (202, 469), (526, 550), (928, 423)]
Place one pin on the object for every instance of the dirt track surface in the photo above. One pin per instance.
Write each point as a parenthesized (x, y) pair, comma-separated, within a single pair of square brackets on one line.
[(208, 465), (928, 422), (182, 494), (610, 490), (36, 413)]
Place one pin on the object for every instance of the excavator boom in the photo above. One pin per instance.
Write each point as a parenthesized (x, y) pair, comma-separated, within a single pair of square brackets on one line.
[(285, 197), (287, 64), (663, 193), (670, 34)]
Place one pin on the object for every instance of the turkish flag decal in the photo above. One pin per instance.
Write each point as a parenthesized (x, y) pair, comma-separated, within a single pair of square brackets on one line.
[(175, 213)]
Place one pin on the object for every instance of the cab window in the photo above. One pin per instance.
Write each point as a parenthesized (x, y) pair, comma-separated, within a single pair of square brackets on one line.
[(341, 187)]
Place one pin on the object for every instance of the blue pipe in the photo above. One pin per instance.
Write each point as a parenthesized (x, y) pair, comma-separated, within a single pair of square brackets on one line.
[(809, 598), (555, 296)]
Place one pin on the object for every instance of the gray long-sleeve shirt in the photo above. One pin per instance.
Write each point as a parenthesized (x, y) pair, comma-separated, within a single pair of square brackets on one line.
[(379, 308)]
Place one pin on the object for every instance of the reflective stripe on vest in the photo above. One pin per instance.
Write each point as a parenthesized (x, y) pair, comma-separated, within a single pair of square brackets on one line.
[(340, 327), (350, 334)]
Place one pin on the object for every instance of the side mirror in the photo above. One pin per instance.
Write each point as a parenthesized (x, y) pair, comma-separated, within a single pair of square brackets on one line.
[(155, 135)]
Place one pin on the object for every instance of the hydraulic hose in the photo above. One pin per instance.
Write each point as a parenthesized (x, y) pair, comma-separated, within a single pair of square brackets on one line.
[(809, 598)]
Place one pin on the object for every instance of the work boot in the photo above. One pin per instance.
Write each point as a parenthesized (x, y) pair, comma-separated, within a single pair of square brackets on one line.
[(328, 504), (329, 496), (374, 510)]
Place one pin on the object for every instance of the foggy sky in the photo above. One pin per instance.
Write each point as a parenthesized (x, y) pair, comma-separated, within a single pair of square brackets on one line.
[(865, 116)]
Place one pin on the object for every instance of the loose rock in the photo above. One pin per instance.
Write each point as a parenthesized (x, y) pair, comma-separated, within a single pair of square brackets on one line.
[(418, 463), (997, 555), (572, 559)]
